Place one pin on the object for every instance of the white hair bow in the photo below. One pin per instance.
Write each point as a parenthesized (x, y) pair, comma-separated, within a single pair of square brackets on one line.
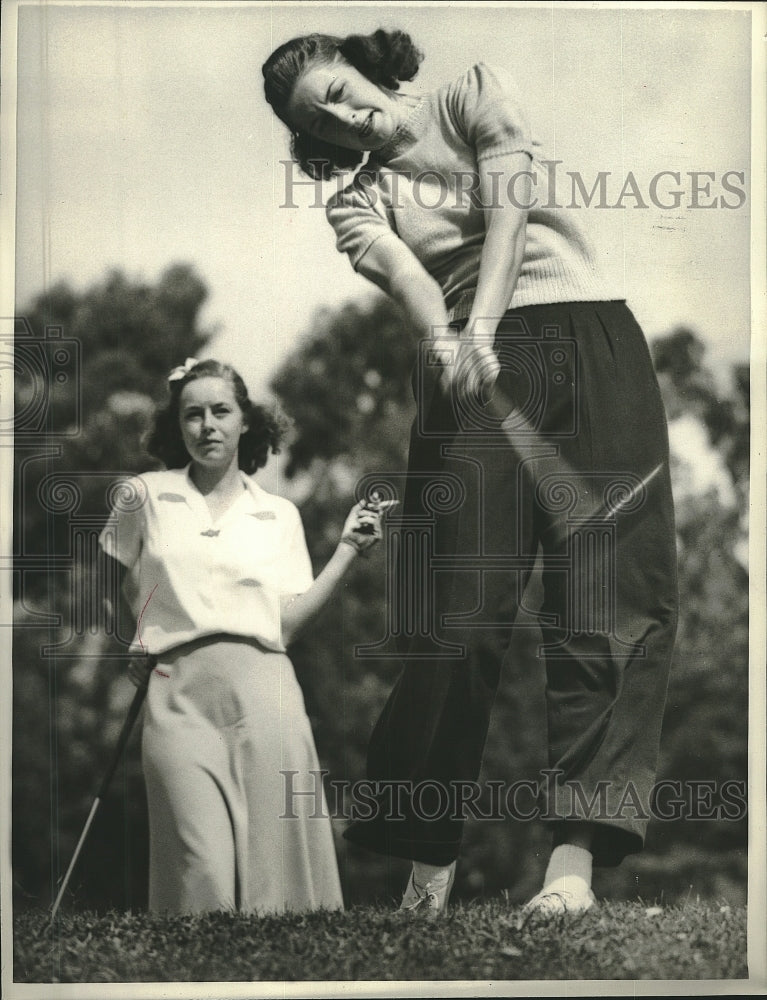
[(181, 371)]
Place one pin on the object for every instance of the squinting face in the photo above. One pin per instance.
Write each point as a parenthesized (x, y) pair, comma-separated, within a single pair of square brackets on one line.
[(211, 422), (336, 103)]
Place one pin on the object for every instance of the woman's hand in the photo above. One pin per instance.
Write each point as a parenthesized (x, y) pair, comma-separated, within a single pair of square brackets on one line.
[(470, 366), (139, 669), (362, 529)]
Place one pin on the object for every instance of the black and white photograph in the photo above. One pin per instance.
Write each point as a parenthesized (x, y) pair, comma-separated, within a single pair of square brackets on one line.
[(382, 451)]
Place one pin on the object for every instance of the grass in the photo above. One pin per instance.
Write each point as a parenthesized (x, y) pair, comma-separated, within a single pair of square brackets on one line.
[(477, 941)]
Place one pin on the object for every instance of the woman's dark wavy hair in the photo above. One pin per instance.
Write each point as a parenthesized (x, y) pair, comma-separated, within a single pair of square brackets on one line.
[(266, 426), (386, 58)]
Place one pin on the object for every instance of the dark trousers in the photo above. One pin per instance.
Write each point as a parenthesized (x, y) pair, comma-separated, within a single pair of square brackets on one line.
[(569, 460)]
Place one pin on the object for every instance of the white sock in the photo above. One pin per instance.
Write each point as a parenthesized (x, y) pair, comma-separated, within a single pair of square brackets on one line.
[(435, 876), (569, 870)]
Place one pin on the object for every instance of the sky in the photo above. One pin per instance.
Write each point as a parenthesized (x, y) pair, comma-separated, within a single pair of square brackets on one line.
[(143, 139)]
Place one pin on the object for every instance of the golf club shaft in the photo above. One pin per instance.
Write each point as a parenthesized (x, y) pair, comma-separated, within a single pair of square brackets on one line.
[(130, 719), (501, 407), (80, 842), (133, 711)]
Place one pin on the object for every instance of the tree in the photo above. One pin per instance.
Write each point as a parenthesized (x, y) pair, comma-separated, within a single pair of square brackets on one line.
[(88, 367), (347, 389)]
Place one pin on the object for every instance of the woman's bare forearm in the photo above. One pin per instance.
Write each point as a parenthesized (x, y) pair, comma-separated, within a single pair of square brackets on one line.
[(118, 613), (504, 247), (502, 257), (420, 298), (298, 610), (394, 268)]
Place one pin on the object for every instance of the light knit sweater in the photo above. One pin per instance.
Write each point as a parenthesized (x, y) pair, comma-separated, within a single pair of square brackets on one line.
[(422, 188)]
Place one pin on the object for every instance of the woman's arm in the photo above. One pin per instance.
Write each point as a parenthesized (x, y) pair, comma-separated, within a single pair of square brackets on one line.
[(504, 247), (476, 366), (395, 269), (298, 610), (112, 570), (361, 531), (469, 361)]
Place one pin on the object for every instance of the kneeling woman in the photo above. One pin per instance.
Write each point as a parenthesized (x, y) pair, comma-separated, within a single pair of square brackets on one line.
[(219, 580)]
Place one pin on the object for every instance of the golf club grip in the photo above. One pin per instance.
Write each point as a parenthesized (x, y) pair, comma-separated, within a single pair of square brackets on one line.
[(130, 719)]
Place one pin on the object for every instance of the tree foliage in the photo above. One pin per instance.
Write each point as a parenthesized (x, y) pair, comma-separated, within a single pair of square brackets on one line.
[(347, 389), (89, 366)]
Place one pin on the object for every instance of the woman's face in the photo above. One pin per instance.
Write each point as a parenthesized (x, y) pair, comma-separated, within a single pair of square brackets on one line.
[(336, 103), (211, 422)]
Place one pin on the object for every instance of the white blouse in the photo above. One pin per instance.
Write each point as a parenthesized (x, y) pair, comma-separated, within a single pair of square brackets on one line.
[(189, 577)]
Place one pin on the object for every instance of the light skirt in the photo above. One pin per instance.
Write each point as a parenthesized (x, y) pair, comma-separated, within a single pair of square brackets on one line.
[(224, 719)]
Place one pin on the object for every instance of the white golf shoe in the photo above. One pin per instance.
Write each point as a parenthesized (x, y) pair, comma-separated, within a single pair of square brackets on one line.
[(428, 901), (553, 904)]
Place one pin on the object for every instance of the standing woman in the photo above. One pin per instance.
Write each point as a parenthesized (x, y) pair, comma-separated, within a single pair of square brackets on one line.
[(219, 581), (541, 412)]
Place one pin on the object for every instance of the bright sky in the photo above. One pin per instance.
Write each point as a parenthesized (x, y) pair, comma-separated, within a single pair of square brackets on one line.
[(144, 139)]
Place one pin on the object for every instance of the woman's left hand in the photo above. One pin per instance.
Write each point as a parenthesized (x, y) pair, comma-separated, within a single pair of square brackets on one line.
[(470, 367), (139, 669), (362, 529)]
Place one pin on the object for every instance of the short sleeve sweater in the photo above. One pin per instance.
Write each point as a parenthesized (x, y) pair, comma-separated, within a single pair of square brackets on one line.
[(422, 188), (188, 577)]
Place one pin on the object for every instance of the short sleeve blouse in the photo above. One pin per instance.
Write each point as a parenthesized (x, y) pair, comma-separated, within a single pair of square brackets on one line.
[(423, 189), (188, 577), (482, 109)]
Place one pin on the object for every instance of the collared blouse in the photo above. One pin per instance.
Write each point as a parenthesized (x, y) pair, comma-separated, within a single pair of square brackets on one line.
[(188, 576)]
